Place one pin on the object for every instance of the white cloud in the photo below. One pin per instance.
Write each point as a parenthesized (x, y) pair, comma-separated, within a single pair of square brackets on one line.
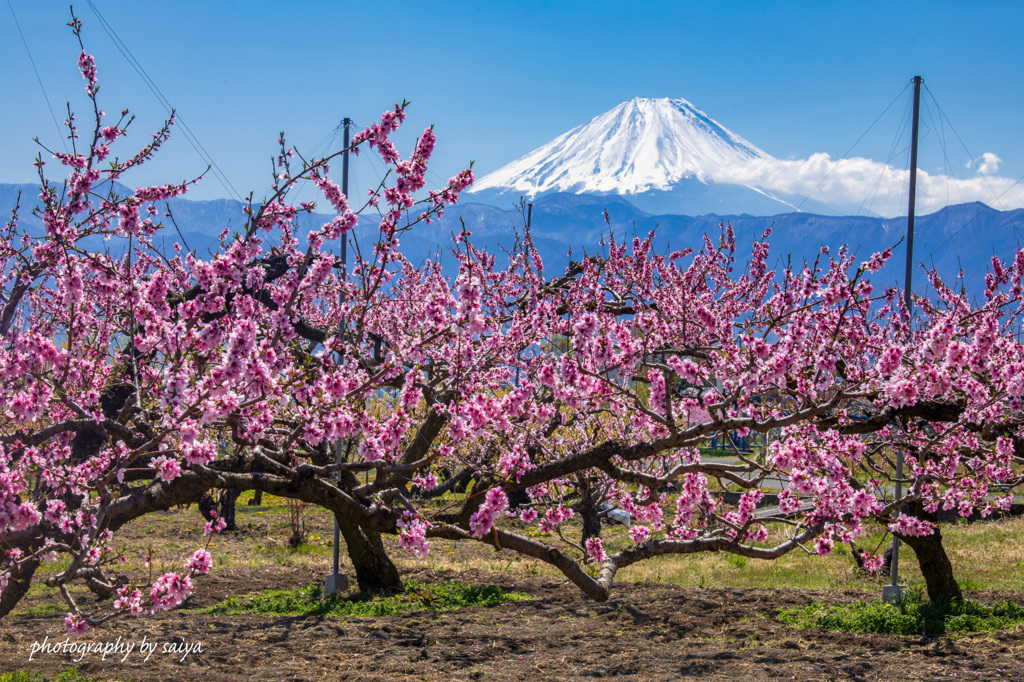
[(988, 164), (875, 186)]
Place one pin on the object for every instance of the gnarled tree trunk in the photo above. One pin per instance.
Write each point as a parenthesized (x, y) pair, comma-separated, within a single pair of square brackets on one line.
[(588, 509), (17, 585), (935, 565), (375, 571), (228, 498)]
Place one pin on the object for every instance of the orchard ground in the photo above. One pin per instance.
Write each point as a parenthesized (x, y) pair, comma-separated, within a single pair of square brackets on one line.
[(704, 616)]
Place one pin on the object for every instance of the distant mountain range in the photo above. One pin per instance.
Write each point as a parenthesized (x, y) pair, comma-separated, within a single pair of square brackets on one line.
[(964, 236), (568, 225)]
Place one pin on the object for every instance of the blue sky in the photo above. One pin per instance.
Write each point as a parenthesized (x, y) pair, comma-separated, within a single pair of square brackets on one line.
[(500, 79)]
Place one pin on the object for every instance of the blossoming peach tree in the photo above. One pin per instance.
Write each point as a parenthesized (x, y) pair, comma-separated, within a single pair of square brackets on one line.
[(133, 380)]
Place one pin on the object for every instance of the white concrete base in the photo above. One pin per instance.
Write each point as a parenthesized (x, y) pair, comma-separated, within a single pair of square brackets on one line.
[(336, 583), (891, 593)]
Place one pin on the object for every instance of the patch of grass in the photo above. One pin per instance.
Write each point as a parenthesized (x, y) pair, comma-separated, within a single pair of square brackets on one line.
[(969, 583), (416, 596), (736, 560), (911, 615), (260, 542), (44, 610), (715, 452), (69, 675)]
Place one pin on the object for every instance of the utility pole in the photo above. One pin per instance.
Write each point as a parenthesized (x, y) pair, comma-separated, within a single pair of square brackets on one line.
[(891, 592), (337, 582), (347, 122), (913, 194)]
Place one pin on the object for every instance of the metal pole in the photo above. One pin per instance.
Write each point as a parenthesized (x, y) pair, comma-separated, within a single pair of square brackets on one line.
[(335, 583), (344, 190), (913, 194), (893, 591), (894, 566)]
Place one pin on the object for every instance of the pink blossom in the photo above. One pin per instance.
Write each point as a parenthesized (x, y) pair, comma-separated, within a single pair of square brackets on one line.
[(496, 499), (864, 503), (412, 536), (889, 360), (200, 562), (639, 534), (75, 625), (823, 545), (911, 526), (87, 64), (595, 549), (528, 515), (873, 562), (201, 452), (169, 590), (481, 521), (495, 502), (169, 469), (428, 482)]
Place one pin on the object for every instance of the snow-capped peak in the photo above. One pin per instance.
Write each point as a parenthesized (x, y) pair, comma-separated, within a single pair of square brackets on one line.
[(640, 145)]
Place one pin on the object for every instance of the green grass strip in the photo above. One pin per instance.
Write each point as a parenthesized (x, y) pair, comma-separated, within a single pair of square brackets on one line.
[(416, 596), (69, 675), (911, 615)]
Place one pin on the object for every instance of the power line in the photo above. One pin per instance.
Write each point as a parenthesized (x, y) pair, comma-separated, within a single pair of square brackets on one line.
[(904, 121), (189, 135), (60, 133), (967, 151), (325, 144), (978, 214), (863, 135), (984, 177), (948, 169), (894, 152)]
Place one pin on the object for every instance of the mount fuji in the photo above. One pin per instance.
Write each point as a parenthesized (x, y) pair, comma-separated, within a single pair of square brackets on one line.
[(662, 154)]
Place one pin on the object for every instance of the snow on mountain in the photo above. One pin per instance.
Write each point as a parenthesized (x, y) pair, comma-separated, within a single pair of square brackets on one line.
[(639, 146)]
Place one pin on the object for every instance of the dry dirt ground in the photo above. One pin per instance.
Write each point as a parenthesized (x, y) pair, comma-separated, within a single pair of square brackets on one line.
[(647, 632)]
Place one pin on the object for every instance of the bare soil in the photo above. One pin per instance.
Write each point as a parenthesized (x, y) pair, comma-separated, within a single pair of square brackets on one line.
[(647, 632)]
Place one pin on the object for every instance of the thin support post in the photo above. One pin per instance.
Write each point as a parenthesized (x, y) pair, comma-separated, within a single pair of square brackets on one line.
[(891, 592), (336, 582)]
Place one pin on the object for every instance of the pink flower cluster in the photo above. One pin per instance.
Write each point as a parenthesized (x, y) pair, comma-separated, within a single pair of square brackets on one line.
[(168, 591), (75, 625), (482, 520), (200, 562), (413, 535), (555, 517), (595, 549), (911, 526), (129, 600)]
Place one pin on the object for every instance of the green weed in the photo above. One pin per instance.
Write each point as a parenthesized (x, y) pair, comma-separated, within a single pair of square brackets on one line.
[(69, 675), (911, 615), (736, 560), (416, 596)]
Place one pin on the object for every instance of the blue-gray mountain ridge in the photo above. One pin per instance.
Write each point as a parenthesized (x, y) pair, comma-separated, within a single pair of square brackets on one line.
[(565, 226)]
